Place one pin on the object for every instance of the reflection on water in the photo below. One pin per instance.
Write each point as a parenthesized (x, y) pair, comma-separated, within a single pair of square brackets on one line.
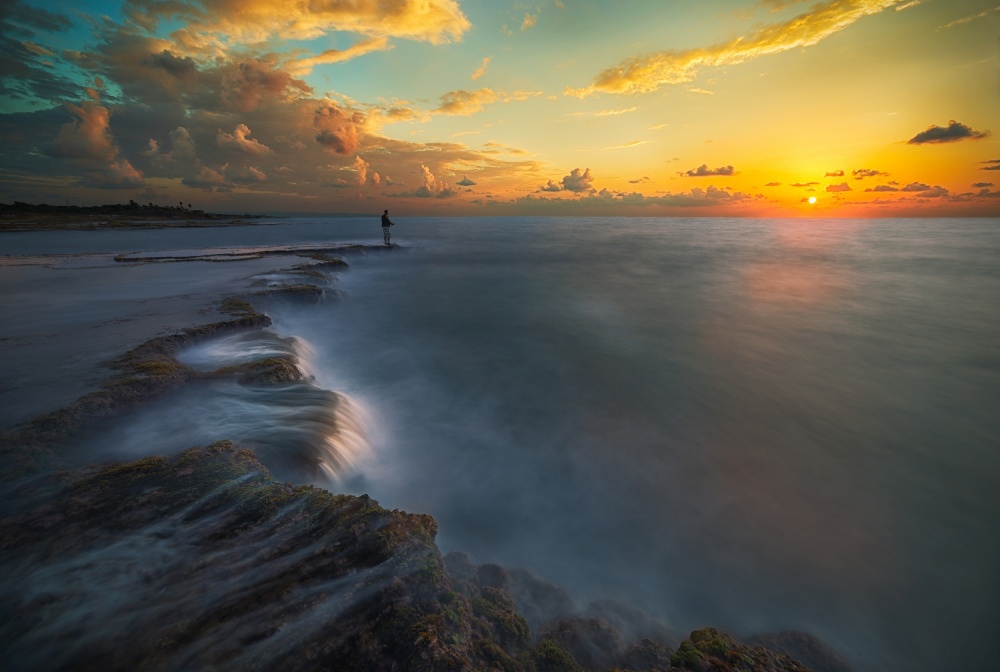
[(757, 425)]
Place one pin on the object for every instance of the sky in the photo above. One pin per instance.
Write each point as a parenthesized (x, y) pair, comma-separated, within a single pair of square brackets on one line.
[(739, 108)]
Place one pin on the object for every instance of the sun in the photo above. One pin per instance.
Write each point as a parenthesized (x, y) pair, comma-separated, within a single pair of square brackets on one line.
[(812, 200)]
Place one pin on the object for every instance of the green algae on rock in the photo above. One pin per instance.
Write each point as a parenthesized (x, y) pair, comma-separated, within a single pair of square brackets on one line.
[(147, 371), (708, 650), (202, 560)]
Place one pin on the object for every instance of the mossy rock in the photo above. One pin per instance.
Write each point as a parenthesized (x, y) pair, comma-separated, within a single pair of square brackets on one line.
[(687, 656), (549, 656)]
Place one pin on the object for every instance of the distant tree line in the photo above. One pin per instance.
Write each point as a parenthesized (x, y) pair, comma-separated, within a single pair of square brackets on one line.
[(132, 208)]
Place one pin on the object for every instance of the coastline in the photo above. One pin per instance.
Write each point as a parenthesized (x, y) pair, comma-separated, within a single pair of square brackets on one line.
[(104, 223), (20, 216), (381, 584)]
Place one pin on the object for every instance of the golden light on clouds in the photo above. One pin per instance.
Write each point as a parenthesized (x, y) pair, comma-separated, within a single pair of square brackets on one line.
[(783, 108)]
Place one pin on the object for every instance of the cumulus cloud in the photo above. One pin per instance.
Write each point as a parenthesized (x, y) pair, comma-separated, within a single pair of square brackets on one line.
[(181, 155), (835, 173), (338, 130), (578, 181), (88, 141), (481, 70), (934, 192), (551, 186), (773, 184), (953, 132), (252, 82), (87, 136), (835, 188), (862, 173), (431, 187), (883, 187), (639, 180), (466, 182), (303, 66), (982, 185), (992, 164), (711, 196), (925, 190), (464, 102), (529, 21), (361, 168), (805, 184), (240, 141), (239, 21), (704, 171), (246, 174), (206, 179), (645, 73), (119, 174)]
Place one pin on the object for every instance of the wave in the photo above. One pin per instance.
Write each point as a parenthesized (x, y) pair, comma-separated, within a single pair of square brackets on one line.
[(259, 390)]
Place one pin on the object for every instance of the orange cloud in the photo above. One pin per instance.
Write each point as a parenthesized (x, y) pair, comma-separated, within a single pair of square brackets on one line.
[(431, 188), (338, 131), (239, 140), (247, 85), (303, 66), (255, 21), (464, 102), (88, 140), (86, 137), (207, 179), (481, 70), (577, 181), (642, 74)]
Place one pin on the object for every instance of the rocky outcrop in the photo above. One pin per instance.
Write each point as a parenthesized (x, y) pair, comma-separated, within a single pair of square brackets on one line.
[(145, 372), (802, 646), (202, 561), (708, 650)]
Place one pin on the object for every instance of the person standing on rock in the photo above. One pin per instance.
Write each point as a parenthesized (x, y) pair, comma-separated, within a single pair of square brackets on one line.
[(386, 223)]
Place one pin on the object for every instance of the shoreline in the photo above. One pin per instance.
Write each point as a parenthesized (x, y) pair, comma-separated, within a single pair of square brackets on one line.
[(112, 224), (415, 603)]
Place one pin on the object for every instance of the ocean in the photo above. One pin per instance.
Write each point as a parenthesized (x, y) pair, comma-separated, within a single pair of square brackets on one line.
[(760, 425)]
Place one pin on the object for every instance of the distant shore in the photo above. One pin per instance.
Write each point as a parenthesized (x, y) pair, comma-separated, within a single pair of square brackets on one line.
[(42, 217)]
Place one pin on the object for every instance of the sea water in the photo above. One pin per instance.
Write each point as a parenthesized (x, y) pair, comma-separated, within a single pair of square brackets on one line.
[(760, 425)]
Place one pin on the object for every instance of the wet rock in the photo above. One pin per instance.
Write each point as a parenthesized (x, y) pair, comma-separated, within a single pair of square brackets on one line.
[(299, 292), (540, 602), (144, 373), (647, 655), (632, 623), (708, 650), (202, 561), (593, 644), (802, 646), (270, 371)]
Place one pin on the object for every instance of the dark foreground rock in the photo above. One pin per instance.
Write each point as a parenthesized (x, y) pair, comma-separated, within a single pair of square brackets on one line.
[(203, 561)]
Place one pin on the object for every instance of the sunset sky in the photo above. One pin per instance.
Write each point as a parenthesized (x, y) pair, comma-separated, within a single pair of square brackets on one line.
[(492, 107)]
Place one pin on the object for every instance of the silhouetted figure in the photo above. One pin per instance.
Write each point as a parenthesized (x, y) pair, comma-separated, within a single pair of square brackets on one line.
[(386, 223)]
